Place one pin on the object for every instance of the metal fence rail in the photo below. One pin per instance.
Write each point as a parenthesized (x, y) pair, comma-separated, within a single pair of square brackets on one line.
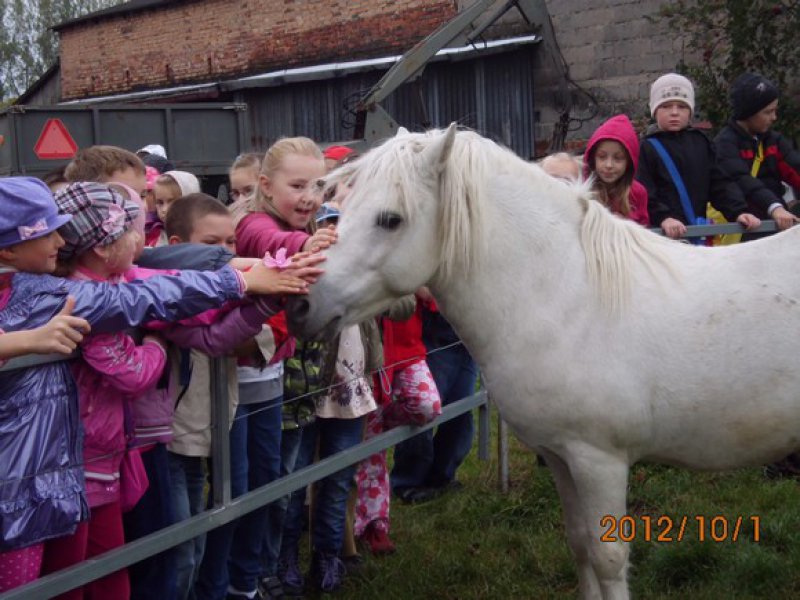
[(228, 510)]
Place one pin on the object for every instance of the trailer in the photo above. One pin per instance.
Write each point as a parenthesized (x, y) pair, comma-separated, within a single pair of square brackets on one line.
[(203, 138)]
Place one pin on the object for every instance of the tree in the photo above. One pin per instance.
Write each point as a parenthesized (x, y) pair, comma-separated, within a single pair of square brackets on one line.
[(28, 47), (729, 37)]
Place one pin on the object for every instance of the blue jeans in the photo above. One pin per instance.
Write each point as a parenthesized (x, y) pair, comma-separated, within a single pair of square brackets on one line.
[(432, 460), (290, 447), (153, 577), (333, 435), (188, 480), (235, 548)]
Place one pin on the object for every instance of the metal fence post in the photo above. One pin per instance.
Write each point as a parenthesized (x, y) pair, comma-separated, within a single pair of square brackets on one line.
[(220, 434), (502, 454), (483, 431)]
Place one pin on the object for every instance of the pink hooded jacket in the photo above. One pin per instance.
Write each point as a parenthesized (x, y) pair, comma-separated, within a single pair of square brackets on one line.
[(620, 129)]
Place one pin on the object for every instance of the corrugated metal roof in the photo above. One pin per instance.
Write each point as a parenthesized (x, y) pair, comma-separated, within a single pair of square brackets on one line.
[(491, 94)]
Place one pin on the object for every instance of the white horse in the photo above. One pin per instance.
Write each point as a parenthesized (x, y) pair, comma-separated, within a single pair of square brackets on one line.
[(602, 344)]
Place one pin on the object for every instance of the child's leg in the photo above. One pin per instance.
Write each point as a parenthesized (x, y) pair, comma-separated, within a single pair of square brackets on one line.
[(63, 552), (336, 435), (18, 567), (188, 478), (153, 577), (417, 400), (372, 481), (105, 533)]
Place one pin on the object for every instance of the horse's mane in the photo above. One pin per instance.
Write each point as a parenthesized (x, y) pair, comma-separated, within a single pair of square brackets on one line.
[(610, 244)]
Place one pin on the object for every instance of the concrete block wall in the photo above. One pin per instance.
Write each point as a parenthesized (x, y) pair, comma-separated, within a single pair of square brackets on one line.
[(615, 49)]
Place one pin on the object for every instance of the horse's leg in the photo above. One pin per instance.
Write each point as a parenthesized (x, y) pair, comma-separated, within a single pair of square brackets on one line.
[(578, 534), (601, 481)]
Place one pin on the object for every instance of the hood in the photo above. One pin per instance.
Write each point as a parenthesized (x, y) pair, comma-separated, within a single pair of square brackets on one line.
[(619, 129)]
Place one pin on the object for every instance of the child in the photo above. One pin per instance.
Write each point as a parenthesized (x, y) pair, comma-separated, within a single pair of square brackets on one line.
[(336, 155), (692, 159), (61, 335), (201, 219), (406, 394), (101, 241), (562, 165), (35, 505), (611, 157), (243, 176), (274, 217), (756, 158), (167, 188), (105, 164)]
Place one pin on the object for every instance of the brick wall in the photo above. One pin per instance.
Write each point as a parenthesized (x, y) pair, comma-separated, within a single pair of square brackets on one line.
[(201, 41), (613, 47)]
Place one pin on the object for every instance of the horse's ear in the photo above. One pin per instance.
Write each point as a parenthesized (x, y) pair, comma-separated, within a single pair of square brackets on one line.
[(402, 131), (438, 152)]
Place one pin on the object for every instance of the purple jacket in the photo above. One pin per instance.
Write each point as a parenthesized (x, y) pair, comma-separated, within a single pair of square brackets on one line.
[(41, 476)]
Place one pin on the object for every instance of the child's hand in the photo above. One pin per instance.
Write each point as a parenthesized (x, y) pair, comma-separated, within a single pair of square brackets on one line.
[(748, 221), (262, 280), (303, 265), (241, 263), (322, 239), (673, 228), (62, 334), (783, 218)]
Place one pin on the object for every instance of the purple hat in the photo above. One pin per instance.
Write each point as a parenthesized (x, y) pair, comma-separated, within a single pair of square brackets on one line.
[(27, 210), (100, 216)]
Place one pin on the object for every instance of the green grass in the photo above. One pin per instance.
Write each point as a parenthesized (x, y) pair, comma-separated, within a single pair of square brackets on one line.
[(480, 543)]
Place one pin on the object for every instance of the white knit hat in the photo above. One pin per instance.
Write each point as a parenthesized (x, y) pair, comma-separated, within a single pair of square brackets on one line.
[(671, 87), (186, 181)]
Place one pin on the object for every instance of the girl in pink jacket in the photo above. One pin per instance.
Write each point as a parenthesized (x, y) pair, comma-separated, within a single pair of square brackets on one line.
[(612, 157)]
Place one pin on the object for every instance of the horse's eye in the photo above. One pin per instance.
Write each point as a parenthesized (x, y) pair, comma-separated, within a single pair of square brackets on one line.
[(388, 220)]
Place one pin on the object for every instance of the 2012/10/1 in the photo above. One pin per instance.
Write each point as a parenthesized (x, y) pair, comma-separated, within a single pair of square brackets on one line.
[(718, 528)]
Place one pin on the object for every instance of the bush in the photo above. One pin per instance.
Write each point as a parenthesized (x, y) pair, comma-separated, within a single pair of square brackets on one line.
[(728, 37)]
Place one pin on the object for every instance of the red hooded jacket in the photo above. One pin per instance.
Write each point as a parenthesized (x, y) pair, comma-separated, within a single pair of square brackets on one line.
[(620, 129)]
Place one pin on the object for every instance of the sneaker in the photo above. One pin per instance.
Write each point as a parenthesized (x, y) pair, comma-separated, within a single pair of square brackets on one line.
[(354, 565), (327, 572), (270, 588), (377, 539), (290, 576)]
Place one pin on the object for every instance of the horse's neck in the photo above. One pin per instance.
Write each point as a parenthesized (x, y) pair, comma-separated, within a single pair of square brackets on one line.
[(533, 263)]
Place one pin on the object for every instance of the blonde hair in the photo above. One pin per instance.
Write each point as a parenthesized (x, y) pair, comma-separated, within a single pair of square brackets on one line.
[(248, 160), (273, 159)]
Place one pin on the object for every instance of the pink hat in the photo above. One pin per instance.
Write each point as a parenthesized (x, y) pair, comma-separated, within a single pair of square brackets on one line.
[(337, 153)]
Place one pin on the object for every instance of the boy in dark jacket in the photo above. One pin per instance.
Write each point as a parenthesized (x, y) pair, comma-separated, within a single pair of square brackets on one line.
[(752, 155), (672, 106)]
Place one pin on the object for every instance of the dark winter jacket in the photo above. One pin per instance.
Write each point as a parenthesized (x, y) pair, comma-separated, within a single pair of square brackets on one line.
[(736, 150), (695, 158)]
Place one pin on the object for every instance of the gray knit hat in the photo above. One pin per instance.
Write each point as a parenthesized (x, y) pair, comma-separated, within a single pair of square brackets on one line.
[(668, 88)]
